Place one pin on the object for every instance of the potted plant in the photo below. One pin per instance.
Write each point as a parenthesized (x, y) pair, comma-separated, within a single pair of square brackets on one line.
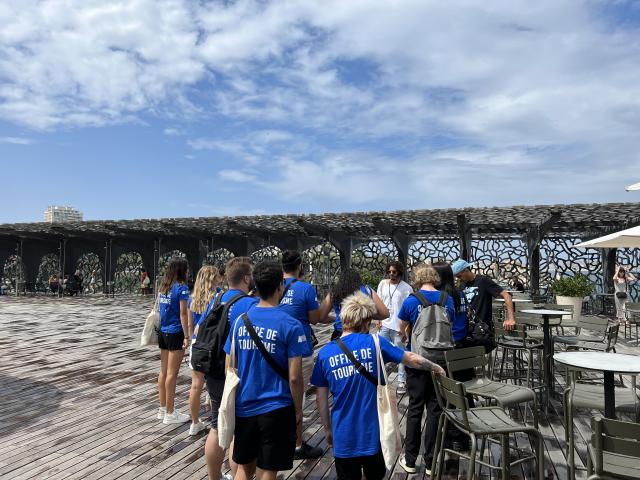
[(571, 291)]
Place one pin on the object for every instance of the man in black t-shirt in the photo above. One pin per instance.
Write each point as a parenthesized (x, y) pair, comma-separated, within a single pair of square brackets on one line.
[(480, 291)]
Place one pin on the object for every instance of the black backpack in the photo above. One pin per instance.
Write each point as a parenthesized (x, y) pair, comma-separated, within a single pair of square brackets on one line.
[(207, 352)]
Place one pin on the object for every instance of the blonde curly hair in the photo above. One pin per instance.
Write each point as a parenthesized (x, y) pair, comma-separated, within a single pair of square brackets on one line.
[(204, 289), (356, 312), (424, 273)]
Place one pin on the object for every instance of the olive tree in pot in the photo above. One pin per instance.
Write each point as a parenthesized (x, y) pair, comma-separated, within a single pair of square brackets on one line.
[(571, 291)]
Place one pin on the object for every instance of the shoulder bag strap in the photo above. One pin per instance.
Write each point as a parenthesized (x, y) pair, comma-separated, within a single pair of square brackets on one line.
[(286, 289), (233, 361), (380, 361), (156, 305), (359, 367), (267, 356)]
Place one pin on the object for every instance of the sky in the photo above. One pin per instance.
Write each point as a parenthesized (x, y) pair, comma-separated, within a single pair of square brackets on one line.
[(177, 108)]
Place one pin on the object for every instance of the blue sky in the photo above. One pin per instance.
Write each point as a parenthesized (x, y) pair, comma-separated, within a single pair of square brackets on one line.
[(165, 108)]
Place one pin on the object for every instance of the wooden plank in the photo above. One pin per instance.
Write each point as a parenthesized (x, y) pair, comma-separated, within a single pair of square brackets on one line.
[(79, 401)]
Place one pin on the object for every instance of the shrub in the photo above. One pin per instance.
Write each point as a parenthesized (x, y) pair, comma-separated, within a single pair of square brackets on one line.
[(575, 286)]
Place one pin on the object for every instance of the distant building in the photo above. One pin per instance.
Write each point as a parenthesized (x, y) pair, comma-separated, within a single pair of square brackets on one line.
[(62, 214)]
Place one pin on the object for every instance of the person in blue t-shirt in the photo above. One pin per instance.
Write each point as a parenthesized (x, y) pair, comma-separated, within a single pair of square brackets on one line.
[(349, 282), (352, 430), (420, 386), (300, 301), (173, 337), (238, 271), (269, 396), (199, 305)]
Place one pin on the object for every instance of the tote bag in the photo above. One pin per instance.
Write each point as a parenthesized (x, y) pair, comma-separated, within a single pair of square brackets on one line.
[(390, 440), (227, 410), (151, 326)]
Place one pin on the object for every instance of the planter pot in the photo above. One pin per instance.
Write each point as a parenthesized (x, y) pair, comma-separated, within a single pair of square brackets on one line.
[(577, 308)]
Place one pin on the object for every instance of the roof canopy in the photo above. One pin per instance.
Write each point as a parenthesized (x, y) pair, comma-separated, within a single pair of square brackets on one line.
[(577, 219)]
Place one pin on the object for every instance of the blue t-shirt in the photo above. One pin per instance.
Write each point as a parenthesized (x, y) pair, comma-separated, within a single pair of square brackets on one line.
[(169, 305), (460, 321), (300, 299), (338, 306), (411, 308), (241, 306), (261, 389), (354, 415), (199, 317)]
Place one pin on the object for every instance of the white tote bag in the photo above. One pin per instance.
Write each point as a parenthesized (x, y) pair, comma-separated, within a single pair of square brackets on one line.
[(151, 326), (390, 440), (227, 410)]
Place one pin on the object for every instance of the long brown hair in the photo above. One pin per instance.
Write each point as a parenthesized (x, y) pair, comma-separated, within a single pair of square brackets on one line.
[(204, 289), (176, 272)]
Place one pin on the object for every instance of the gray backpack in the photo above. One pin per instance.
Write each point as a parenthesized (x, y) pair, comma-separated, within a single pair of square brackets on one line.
[(431, 334)]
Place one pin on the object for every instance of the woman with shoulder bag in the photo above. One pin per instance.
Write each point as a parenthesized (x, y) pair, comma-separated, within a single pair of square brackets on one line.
[(352, 427), (173, 336), (621, 285)]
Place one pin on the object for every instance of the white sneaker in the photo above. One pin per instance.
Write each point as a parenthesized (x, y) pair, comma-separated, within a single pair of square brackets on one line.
[(226, 476), (161, 413), (175, 417), (196, 428)]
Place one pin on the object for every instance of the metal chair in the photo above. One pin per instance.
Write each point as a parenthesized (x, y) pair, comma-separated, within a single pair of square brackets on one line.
[(614, 451), (632, 316), (504, 394), (590, 395), (593, 323), (519, 345), (479, 423)]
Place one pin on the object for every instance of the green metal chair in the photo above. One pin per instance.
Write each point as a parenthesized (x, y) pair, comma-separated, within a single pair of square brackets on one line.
[(614, 451), (522, 349), (590, 395), (504, 394), (632, 315), (596, 324), (479, 423)]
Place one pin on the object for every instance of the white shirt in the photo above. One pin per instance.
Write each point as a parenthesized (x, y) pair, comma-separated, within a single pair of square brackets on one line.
[(393, 296)]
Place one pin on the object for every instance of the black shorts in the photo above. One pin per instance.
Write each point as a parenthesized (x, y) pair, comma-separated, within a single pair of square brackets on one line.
[(170, 341), (269, 438), (353, 468), (215, 387)]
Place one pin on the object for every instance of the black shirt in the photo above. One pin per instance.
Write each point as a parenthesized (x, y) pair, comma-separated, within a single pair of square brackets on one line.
[(480, 294)]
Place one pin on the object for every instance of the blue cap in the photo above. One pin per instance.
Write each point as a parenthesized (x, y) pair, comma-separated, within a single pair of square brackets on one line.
[(460, 265)]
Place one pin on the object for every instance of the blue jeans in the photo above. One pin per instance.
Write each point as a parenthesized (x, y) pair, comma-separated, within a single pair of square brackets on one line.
[(394, 338)]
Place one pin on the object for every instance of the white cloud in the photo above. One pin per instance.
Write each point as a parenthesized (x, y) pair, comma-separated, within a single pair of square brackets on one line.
[(237, 176), (16, 140), (173, 131), (333, 92)]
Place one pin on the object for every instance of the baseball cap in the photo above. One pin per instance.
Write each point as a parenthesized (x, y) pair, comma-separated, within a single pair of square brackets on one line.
[(460, 265)]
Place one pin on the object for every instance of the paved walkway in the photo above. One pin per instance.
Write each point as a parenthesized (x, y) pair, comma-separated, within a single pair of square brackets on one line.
[(78, 400)]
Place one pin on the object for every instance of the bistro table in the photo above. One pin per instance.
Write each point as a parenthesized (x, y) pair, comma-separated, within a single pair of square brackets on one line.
[(547, 346), (609, 364), (515, 300)]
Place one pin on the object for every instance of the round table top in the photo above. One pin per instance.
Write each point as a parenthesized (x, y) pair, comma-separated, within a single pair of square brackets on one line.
[(600, 361), (543, 311), (516, 300)]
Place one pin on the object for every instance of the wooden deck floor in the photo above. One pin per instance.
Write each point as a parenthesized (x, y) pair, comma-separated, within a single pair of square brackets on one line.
[(78, 401)]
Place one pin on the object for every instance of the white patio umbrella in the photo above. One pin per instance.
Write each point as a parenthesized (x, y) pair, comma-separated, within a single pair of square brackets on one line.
[(630, 188), (629, 238)]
